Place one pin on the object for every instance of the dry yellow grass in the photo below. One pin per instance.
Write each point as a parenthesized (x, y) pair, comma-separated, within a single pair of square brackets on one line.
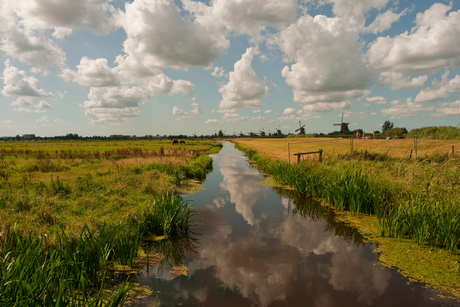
[(399, 148), (147, 160)]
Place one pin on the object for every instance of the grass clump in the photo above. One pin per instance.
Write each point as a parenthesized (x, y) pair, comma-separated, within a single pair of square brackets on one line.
[(34, 273), (168, 215), (426, 221), (72, 271), (421, 204)]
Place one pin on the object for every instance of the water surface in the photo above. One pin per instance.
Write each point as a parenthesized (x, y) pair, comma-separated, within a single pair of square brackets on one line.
[(261, 246)]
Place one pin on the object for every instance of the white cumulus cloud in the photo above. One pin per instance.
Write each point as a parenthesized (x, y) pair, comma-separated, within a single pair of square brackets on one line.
[(244, 88), (352, 114), (377, 100), (91, 73), (64, 15), (196, 108), (447, 109), (397, 80), (157, 34), (439, 90), (218, 72), (111, 104), (384, 21), (400, 110), (245, 16), (177, 111), (23, 101), (322, 73), (432, 44), (44, 119), (43, 105), (17, 83)]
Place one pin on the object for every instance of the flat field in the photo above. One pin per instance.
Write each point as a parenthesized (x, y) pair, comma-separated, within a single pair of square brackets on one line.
[(49, 186), (397, 148)]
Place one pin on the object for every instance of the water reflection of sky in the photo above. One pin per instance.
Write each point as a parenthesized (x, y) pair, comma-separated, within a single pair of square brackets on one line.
[(253, 250)]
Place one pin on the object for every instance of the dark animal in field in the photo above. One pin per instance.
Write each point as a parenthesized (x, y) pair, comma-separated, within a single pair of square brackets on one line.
[(182, 142), (175, 142)]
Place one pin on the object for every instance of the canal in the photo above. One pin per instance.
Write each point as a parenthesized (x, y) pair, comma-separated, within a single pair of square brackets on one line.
[(261, 246)]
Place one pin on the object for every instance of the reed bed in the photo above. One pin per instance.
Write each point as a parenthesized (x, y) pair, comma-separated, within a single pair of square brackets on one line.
[(421, 204), (72, 271), (427, 221)]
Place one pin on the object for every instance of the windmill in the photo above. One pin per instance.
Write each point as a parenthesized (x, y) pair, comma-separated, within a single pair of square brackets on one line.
[(262, 132), (301, 129), (251, 134), (343, 126), (194, 135), (241, 134), (278, 131)]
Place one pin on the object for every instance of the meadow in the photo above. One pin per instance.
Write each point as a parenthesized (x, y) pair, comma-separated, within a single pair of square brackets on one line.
[(386, 194), (277, 148), (74, 210)]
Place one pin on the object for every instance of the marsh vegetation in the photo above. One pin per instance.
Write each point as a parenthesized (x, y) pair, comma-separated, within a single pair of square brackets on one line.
[(74, 210)]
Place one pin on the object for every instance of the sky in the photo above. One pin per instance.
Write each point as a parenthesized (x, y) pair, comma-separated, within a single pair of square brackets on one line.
[(148, 67)]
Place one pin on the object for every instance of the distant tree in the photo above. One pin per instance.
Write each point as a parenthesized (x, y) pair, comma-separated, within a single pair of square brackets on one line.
[(387, 125), (221, 134), (400, 132)]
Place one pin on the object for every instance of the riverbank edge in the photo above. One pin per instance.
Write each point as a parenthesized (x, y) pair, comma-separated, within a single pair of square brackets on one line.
[(132, 291), (436, 268)]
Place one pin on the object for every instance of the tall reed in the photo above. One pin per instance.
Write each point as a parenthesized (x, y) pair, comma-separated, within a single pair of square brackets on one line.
[(426, 221), (168, 214), (34, 272), (413, 214)]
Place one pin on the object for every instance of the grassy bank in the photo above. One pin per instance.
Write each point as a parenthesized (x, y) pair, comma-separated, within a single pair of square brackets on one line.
[(390, 200), (74, 215)]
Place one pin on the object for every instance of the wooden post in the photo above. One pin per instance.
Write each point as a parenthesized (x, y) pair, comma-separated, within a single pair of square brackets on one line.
[(351, 144), (320, 155), (415, 146), (410, 155), (298, 158)]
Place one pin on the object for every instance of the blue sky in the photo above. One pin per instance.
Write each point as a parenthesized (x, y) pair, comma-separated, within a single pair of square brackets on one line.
[(182, 67)]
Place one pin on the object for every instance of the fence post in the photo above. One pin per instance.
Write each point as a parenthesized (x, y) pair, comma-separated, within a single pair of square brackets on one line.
[(320, 155), (415, 146), (289, 154), (351, 144)]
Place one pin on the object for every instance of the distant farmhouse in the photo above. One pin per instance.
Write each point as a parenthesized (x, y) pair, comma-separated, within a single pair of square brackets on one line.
[(28, 137)]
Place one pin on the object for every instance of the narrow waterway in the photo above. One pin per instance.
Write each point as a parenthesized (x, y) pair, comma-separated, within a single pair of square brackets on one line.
[(261, 246)]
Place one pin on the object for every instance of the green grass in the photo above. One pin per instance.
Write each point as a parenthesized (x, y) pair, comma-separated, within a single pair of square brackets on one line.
[(34, 273), (417, 200), (70, 214), (426, 221), (72, 271), (438, 133), (68, 194)]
